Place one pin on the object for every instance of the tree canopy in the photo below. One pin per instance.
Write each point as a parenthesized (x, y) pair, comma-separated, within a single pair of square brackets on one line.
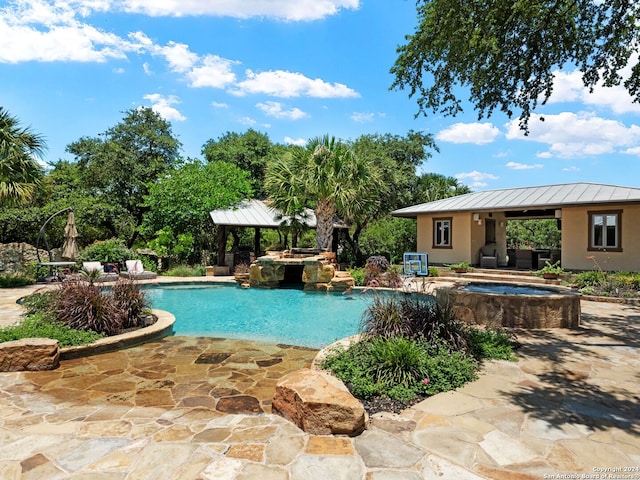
[(249, 151), (327, 175), (506, 52), (120, 164), (19, 171), (183, 198)]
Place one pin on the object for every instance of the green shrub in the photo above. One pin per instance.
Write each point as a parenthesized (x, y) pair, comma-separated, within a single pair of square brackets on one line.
[(496, 344), (42, 325), (400, 369), (358, 275), (434, 272), (185, 271), (397, 361), (592, 278), (351, 366), (106, 251), (447, 370), (16, 279), (39, 302)]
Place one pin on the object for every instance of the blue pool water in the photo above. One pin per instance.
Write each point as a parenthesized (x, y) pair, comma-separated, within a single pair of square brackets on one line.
[(282, 316)]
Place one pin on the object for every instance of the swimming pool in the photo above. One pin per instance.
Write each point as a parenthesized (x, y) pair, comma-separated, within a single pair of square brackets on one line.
[(279, 316)]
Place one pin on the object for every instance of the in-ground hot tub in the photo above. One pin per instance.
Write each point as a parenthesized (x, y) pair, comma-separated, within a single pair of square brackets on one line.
[(514, 305)]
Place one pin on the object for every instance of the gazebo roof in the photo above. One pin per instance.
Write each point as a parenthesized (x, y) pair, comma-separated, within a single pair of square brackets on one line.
[(258, 214)]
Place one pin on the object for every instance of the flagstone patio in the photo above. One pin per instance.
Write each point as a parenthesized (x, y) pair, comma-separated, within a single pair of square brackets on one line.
[(196, 408)]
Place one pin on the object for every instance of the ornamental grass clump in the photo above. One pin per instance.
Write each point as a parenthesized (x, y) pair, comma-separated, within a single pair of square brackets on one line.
[(413, 346), (414, 316), (83, 306), (86, 306), (130, 303)]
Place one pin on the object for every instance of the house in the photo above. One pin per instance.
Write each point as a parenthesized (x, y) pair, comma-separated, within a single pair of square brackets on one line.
[(599, 224)]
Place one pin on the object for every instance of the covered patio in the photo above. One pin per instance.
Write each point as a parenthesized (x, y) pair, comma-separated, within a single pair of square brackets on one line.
[(597, 223)]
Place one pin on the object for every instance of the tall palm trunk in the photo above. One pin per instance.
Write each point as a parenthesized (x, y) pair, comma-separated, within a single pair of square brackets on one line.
[(325, 213)]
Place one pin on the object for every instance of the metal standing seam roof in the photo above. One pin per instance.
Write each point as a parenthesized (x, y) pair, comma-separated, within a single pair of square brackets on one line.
[(542, 197), (257, 214)]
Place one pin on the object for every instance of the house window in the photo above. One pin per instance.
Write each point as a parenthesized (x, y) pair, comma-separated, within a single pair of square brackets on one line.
[(442, 233), (605, 230)]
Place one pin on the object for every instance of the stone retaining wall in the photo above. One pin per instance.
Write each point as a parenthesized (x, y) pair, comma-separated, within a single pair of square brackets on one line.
[(16, 256)]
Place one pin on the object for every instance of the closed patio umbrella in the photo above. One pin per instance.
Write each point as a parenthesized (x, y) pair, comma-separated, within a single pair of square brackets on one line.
[(70, 246)]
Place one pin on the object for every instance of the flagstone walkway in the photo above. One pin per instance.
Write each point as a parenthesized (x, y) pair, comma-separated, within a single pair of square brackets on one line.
[(193, 408)]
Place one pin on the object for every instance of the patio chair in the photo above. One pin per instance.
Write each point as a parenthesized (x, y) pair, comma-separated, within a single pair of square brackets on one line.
[(136, 271), (524, 259), (543, 258), (489, 256), (108, 272)]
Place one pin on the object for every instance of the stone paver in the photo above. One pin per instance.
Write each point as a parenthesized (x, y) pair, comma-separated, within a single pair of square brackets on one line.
[(193, 408)]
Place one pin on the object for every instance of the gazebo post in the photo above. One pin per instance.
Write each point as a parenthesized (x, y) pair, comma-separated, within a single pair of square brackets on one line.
[(222, 244), (256, 242)]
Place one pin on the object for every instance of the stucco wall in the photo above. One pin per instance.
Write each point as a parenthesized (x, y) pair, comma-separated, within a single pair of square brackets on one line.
[(468, 237), (575, 239), (460, 234)]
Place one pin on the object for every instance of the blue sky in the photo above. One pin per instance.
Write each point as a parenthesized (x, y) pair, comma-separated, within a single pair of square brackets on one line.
[(293, 69)]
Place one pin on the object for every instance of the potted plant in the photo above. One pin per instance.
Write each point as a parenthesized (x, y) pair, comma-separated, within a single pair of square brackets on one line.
[(460, 267), (551, 271)]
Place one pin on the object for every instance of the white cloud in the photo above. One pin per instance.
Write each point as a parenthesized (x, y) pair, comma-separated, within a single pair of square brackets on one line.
[(281, 83), (178, 55), (362, 117), (571, 135), (35, 30), (288, 10), (568, 87), (247, 121), (214, 71), (219, 105), (118, 70), (275, 109), (502, 154), (632, 151), (571, 169), (476, 133), (301, 142), (162, 106), (523, 166), (478, 179)]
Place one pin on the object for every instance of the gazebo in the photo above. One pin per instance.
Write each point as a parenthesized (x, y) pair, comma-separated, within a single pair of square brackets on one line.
[(256, 214)]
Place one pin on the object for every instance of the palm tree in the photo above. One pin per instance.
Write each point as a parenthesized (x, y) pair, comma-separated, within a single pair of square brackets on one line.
[(433, 186), (19, 148), (325, 174)]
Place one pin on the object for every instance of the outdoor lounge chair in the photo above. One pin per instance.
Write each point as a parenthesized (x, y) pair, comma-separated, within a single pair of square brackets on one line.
[(108, 272), (136, 271), (489, 256)]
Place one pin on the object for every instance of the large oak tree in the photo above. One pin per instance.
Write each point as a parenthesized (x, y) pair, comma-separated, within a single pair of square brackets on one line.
[(506, 51)]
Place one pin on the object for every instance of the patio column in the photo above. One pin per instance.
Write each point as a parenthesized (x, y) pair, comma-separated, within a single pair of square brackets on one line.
[(222, 244), (256, 242)]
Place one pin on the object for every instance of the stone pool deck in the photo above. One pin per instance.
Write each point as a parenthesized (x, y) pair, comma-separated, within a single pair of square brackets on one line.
[(189, 408)]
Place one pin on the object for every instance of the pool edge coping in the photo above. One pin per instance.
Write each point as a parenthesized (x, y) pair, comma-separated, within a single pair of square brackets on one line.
[(161, 328)]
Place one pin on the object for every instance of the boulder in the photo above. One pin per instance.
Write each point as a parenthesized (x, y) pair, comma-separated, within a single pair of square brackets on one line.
[(31, 354), (318, 403)]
